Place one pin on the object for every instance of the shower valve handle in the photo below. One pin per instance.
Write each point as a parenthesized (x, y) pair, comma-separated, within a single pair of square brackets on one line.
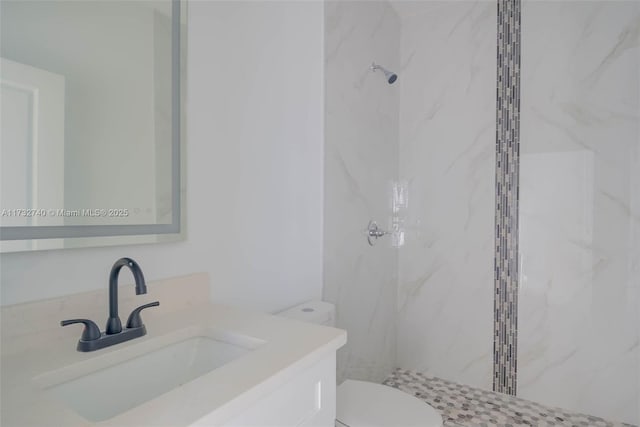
[(374, 232)]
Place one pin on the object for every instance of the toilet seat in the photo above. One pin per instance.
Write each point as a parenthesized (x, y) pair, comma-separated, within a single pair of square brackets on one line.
[(367, 404)]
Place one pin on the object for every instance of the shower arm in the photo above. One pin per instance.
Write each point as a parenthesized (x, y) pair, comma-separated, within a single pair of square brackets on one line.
[(390, 76)]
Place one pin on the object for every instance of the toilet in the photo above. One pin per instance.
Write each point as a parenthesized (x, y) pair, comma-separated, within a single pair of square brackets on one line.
[(363, 403)]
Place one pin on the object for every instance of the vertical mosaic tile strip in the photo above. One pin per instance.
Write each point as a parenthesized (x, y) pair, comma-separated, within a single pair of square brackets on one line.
[(506, 218)]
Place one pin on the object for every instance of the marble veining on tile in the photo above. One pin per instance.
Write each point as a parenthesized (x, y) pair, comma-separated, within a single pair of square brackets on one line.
[(447, 156), (361, 152), (579, 296), (465, 406)]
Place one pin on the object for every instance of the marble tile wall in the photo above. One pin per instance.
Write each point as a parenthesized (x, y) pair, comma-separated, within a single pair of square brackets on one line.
[(361, 162), (579, 296), (447, 155), (579, 343)]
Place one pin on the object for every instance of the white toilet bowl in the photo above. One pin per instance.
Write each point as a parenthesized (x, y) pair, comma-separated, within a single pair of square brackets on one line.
[(367, 404)]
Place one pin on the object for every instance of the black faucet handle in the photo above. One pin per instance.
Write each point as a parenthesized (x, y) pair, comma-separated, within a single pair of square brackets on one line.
[(91, 331), (134, 320)]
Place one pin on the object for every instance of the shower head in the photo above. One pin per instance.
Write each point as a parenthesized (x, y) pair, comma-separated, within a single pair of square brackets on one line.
[(391, 77)]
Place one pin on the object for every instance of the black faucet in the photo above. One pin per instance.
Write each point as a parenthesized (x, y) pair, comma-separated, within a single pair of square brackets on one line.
[(113, 323), (92, 339)]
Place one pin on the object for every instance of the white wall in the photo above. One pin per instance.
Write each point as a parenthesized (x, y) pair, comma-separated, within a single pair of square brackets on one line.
[(254, 167), (361, 155)]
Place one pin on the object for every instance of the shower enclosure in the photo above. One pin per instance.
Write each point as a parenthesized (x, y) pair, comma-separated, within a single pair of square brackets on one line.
[(540, 300)]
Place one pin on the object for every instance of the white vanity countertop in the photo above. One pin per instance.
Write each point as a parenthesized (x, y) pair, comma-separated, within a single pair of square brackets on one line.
[(289, 348)]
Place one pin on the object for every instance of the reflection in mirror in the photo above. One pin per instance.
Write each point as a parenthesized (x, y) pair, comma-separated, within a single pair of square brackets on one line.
[(90, 98)]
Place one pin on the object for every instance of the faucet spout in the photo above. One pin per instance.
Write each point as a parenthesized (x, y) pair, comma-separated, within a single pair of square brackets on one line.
[(114, 326)]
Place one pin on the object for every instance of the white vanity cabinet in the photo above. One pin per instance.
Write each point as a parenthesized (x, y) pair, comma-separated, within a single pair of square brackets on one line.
[(283, 373), (308, 399)]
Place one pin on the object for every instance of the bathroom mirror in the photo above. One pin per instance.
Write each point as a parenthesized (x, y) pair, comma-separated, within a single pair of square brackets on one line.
[(91, 110)]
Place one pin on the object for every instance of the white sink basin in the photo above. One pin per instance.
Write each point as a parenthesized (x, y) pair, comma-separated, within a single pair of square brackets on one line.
[(98, 392)]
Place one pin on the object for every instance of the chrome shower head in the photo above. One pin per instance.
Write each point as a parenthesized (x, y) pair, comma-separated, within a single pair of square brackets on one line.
[(390, 76)]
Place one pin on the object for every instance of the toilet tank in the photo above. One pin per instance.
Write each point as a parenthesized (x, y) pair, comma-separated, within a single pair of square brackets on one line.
[(319, 312)]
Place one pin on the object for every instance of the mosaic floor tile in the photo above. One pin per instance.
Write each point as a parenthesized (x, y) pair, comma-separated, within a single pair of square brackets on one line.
[(464, 406)]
